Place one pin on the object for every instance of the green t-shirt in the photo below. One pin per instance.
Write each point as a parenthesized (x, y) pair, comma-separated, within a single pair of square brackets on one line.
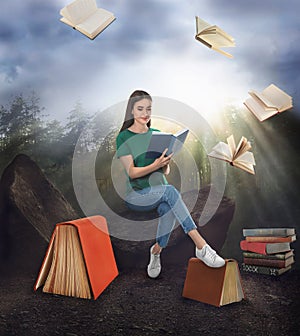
[(136, 145)]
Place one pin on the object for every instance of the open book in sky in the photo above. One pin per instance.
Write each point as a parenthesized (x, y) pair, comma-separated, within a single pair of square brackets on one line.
[(160, 141), (238, 156), (86, 17), (269, 102), (213, 36)]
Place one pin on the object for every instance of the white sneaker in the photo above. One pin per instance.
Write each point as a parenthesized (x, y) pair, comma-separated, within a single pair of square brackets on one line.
[(154, 266), (209, 257)]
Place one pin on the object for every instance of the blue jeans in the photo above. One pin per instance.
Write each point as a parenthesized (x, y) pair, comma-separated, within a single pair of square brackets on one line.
[(170, 206)]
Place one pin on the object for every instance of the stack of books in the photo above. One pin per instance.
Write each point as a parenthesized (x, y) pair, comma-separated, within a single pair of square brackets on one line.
[(268, 250)]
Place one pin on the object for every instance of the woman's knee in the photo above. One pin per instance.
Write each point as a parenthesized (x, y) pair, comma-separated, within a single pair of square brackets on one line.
[(163, 208), (172, 192)]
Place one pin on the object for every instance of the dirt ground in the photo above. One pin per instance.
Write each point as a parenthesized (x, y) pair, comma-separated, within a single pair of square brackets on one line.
[(134, 304)]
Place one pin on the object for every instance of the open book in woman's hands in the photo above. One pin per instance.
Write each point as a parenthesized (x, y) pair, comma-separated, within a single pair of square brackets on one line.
[(160, 141), (238, 156)]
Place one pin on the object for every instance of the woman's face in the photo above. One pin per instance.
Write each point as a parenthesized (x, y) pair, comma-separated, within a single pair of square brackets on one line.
[(142, 111)]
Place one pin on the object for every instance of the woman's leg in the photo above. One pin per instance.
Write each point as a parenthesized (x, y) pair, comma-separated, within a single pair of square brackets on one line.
[(151, 198), (166, 224)]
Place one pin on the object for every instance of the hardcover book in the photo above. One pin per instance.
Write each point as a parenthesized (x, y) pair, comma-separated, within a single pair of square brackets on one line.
[(215, 286), (160, 141), (86, 17), (264, 269), (264, 248), (269, 262), (276, 256), (269, 102), (238, 156), (79, 261), (213, 37), (281, 232), (271, 239)]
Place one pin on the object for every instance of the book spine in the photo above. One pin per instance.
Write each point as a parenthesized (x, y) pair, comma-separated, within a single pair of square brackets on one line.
[(265, 262), (262, 269), (270, 239), (253, 247), (278, 256), (283, 232)]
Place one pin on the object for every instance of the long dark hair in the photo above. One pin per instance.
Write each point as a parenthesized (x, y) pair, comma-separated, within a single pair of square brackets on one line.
[(134, 98)]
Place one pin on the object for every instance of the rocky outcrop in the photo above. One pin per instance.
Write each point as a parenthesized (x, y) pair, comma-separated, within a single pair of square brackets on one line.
[(30, 207)]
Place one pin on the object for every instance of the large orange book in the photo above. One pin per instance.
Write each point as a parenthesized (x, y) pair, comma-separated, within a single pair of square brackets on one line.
[(79, 260), (215, 286)]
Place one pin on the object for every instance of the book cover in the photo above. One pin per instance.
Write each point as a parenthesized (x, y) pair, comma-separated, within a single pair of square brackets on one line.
[(92, 248), (264, 248), (264, 269), (215, 286), (159, 141), (281, 232)]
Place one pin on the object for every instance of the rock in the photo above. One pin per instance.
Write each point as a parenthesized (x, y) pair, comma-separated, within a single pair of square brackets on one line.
[(132, 254), (30, 207)]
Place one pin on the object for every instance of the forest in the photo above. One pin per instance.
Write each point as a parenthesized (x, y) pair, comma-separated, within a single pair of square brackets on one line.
[(269, 198)]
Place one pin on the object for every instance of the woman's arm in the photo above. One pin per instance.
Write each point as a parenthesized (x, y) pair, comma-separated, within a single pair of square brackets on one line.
[(136, 172)]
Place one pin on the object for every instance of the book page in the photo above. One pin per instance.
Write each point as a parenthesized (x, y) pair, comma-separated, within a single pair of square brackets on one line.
[(201, 25), (261, 98), (232, 146), (248, 167), (242, 147), (79, 10), (258, 109), (278, 97), (100, 18), (215, 30), (217, 40), (247, 158), (221, 151)]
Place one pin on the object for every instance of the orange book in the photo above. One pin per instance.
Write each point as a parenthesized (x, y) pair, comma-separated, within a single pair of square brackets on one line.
[(215, 286), (79, 260), (271, 239)]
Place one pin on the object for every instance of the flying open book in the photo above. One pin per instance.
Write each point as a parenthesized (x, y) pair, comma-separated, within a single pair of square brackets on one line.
[(269, 102), (238, 156), (160, 141), (213, 36), (86, 17)]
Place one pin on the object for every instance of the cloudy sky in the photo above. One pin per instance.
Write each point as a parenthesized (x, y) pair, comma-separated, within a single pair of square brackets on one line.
[(151, 45)]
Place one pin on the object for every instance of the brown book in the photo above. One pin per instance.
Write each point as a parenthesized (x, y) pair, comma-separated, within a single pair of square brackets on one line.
[(79, 261), (277, 256), (271, 239), (215, 286), (269, 262)]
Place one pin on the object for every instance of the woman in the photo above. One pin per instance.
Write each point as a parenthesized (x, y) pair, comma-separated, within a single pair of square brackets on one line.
[(147, 186)]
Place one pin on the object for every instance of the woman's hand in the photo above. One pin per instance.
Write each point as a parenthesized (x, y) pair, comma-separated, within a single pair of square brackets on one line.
[(136, 172), (163, 161)]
